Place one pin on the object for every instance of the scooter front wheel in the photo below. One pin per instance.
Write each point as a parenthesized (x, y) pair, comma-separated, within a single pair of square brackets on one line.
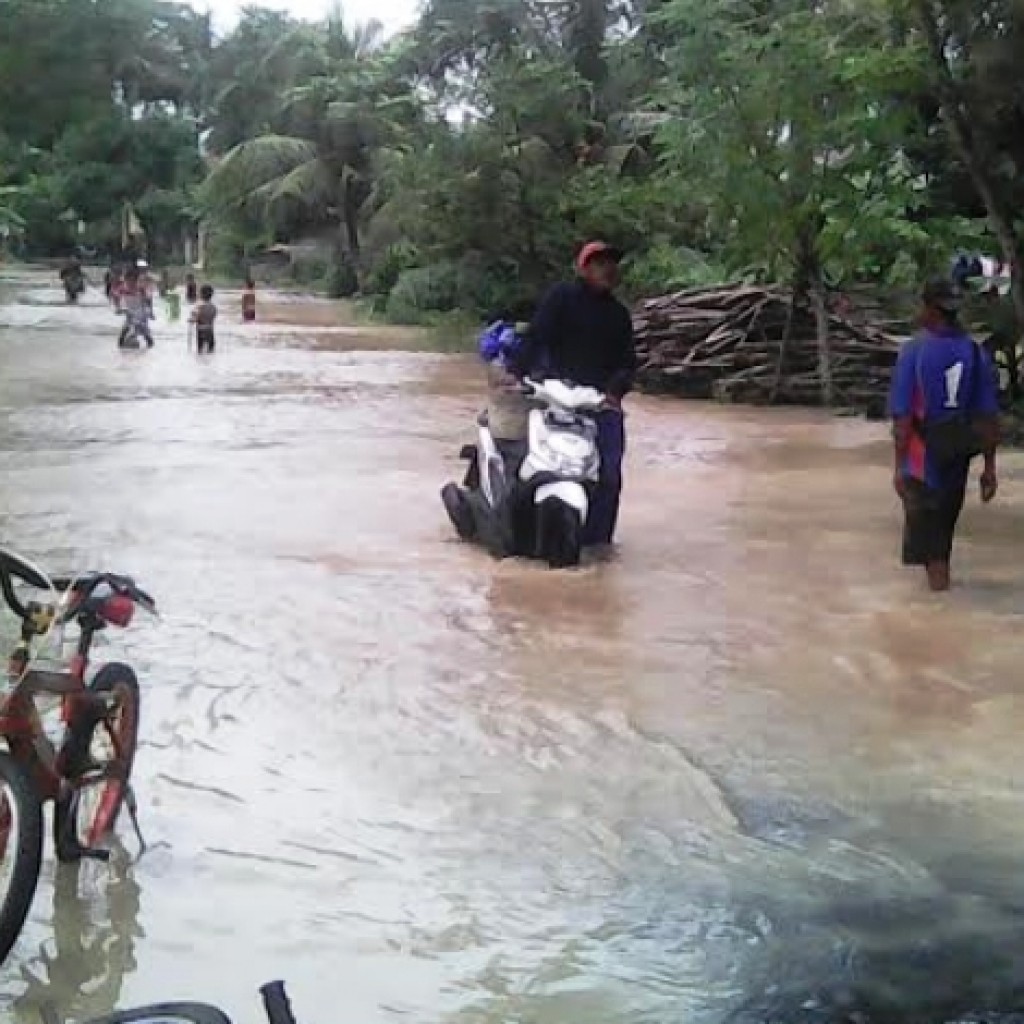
[(458, 510), (559, 534)]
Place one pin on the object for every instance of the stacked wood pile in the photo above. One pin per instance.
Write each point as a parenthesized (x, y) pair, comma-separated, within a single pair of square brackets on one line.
[(749, 343)]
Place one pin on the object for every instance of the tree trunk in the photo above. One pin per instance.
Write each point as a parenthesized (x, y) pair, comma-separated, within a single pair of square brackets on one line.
[(958, 122), (787, 335), (354, 254), (824, 349), (809, 281), (352, 227)]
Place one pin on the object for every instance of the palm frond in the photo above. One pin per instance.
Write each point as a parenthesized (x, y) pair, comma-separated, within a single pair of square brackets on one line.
[(368, 37), (308, 185), (283, 43), (253, 164)]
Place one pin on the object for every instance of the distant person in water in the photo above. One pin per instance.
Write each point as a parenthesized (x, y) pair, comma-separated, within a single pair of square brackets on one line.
[(249, 300), (945, 411), (136, 307), (191, 289), (203, 316)]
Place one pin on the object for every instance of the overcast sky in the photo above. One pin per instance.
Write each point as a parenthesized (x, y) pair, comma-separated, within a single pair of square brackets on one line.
[(393, 14)]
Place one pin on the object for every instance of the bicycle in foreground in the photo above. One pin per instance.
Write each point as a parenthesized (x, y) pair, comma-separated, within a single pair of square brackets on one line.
[(275, 1003), (87, 772)]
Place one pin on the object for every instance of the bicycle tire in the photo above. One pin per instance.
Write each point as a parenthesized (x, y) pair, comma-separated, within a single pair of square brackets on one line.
[(111, 798), (166, 1013), (28, 852)]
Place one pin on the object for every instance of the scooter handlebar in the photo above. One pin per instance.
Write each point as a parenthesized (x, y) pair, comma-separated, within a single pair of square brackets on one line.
[(534, 389)]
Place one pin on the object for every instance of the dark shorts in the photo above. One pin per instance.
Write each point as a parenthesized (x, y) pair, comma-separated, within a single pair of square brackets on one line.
[(930, 518), (204, 339)]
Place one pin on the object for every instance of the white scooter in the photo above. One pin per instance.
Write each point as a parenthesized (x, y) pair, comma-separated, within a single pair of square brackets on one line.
[(537, 508)]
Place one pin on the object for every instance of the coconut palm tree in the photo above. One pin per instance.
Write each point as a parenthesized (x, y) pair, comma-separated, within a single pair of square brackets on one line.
[(322, 157)]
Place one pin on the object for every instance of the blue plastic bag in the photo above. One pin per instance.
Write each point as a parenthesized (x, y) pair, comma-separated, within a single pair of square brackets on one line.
[(498, 341)]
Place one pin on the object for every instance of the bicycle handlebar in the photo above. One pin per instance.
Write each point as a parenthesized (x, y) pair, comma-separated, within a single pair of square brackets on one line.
[(10, 596), (12, 565), (275, 1002)]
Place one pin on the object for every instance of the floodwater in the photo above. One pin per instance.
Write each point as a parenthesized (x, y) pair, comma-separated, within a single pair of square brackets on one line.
[(747, 770)]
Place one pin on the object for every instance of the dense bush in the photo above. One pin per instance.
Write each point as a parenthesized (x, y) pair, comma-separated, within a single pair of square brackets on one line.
[(424, 290), (665, 267)]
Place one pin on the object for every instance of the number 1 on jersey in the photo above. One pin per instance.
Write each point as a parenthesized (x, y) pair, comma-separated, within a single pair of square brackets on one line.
[(953, 377)]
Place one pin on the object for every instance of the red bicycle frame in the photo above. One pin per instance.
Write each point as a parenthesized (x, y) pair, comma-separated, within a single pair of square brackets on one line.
[(20, 723)]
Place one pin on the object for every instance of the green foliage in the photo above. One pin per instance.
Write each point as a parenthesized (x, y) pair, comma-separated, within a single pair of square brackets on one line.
[(11, 221), (314, 273), (458, 166), (322, 134), (423, 290), (96, 105), (389, 266), (663, 267)]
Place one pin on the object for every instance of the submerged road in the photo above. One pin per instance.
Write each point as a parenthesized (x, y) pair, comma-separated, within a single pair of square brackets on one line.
[(747, 770)]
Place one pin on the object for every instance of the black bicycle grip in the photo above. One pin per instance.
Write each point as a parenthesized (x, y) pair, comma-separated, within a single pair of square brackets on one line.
[(7, 586), (275, 1002)]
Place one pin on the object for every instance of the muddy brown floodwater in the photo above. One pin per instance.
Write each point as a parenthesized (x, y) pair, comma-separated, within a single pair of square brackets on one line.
[(747, 770)]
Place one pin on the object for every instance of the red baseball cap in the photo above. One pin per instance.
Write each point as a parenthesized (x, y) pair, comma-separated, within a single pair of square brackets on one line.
[(593, 249)]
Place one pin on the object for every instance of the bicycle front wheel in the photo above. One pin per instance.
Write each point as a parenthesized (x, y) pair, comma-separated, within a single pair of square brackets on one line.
[(21, 849), (111, 755)]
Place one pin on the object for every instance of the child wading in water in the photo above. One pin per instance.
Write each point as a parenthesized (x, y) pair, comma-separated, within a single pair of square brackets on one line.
[(203, 317), (249, 300)]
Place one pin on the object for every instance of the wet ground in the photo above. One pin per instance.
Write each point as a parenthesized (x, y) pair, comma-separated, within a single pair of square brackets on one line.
[(746, 770)]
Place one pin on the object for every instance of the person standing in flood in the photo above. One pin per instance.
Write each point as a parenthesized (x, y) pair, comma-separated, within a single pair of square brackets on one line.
[(191, 289), (137, 308), (945, 411), (582, 333), (203, 316), (249, 301)]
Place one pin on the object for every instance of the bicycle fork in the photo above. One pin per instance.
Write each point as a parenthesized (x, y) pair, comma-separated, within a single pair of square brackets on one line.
[(76, 763)]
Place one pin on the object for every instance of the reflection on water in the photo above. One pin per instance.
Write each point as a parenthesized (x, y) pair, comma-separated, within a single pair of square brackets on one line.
[(79, 969), (746, 770)]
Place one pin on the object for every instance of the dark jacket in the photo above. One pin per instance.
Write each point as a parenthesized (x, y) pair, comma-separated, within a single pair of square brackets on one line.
[(581, 335)]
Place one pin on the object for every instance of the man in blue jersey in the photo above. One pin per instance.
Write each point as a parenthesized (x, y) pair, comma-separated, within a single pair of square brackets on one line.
[(945, 411)]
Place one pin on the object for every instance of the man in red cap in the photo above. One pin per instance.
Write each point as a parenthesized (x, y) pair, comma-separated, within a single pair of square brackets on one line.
[(583, 334)]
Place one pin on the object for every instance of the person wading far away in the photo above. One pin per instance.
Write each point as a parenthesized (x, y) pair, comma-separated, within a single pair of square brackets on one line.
[(945, 410), (249, 300), (204, 316), (583, 334)]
